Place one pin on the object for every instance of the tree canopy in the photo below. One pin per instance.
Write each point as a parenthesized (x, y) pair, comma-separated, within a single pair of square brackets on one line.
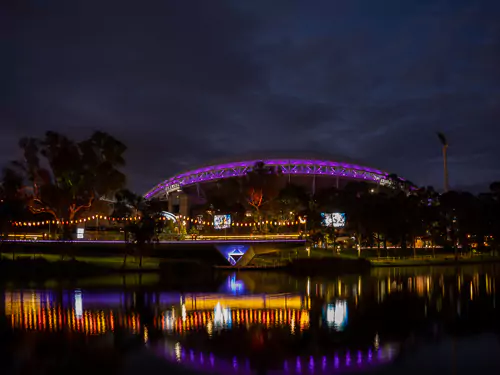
[(62, 177)]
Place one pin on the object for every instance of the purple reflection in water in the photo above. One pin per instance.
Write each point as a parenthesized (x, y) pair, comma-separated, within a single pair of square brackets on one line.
[(231, 366), (235, 363), (103, 299), (169, 298), (85, 300)]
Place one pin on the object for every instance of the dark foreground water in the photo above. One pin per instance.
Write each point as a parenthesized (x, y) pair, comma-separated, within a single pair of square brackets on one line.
[(422, 320)]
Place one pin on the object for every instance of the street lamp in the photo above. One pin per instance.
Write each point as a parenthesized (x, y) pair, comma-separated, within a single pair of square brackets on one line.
[(444, 144)]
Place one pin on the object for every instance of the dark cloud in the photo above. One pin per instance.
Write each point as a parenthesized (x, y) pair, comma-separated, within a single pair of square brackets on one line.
[(184, 82)]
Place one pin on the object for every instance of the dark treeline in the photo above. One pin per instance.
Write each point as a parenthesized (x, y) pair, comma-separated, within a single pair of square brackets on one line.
[(62, 179), (395, 215)]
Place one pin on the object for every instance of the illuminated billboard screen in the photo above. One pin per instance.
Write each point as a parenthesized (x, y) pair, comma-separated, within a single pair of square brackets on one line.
[(222, 221), (335, 219)]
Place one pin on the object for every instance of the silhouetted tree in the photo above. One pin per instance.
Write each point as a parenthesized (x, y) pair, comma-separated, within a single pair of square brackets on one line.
[(63, 177), (225, 196), (292, 198), (12, 205), (144, 232), (461, 211)]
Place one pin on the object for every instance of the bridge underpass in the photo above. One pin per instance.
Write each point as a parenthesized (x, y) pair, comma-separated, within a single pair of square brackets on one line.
[(242, 254)]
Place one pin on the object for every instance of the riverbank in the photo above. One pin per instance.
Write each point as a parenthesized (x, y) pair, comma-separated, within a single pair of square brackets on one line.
[(429, 261), (45, 267), (406, 260), (33, 262), (328, 265)]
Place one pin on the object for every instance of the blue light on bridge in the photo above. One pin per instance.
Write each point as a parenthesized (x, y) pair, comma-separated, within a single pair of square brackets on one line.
[(233, 253)]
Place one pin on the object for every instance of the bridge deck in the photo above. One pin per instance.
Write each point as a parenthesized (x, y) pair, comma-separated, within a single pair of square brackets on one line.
[(181, 242)]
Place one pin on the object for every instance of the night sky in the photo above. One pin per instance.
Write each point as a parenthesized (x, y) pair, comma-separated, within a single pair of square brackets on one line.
[(185, 82)]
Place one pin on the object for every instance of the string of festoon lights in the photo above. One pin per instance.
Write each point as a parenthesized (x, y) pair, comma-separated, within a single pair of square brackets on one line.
[(183, 219), (72, 222), (248, 224)]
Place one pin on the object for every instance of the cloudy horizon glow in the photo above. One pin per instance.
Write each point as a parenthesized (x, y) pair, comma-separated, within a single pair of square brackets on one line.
[(185, 82)]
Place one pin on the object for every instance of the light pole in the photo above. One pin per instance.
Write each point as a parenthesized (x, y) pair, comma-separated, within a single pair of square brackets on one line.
[(444, 144)]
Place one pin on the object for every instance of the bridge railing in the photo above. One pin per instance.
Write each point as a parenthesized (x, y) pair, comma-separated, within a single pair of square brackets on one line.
[(117, 238), (293, 236)]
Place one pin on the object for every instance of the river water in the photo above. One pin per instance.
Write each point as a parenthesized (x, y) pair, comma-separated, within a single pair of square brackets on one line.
[(393, 320)]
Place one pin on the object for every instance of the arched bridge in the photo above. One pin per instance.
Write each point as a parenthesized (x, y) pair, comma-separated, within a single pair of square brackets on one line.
[(285, 166)]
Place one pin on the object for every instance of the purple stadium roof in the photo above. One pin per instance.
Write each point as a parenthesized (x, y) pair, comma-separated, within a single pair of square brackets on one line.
[(286, 166)]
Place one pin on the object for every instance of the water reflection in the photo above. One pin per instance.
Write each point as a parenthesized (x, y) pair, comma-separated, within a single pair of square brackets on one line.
[(40, 311), (336, 315), (96, 313), (360, 360), (317, 325)]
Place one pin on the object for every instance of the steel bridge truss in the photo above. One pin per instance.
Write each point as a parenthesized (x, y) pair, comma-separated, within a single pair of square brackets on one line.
[(285, 167)]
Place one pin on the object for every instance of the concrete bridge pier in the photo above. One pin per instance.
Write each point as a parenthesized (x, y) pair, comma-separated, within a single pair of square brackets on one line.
[(242, 254)]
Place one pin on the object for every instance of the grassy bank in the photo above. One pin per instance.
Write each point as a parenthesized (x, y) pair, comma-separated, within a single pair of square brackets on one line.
[(399, 259), (112, 262), (114, 252), (430, 261), (42, 267)]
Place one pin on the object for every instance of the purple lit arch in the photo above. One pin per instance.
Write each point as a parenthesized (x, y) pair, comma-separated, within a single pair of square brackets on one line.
[(285, 166)]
